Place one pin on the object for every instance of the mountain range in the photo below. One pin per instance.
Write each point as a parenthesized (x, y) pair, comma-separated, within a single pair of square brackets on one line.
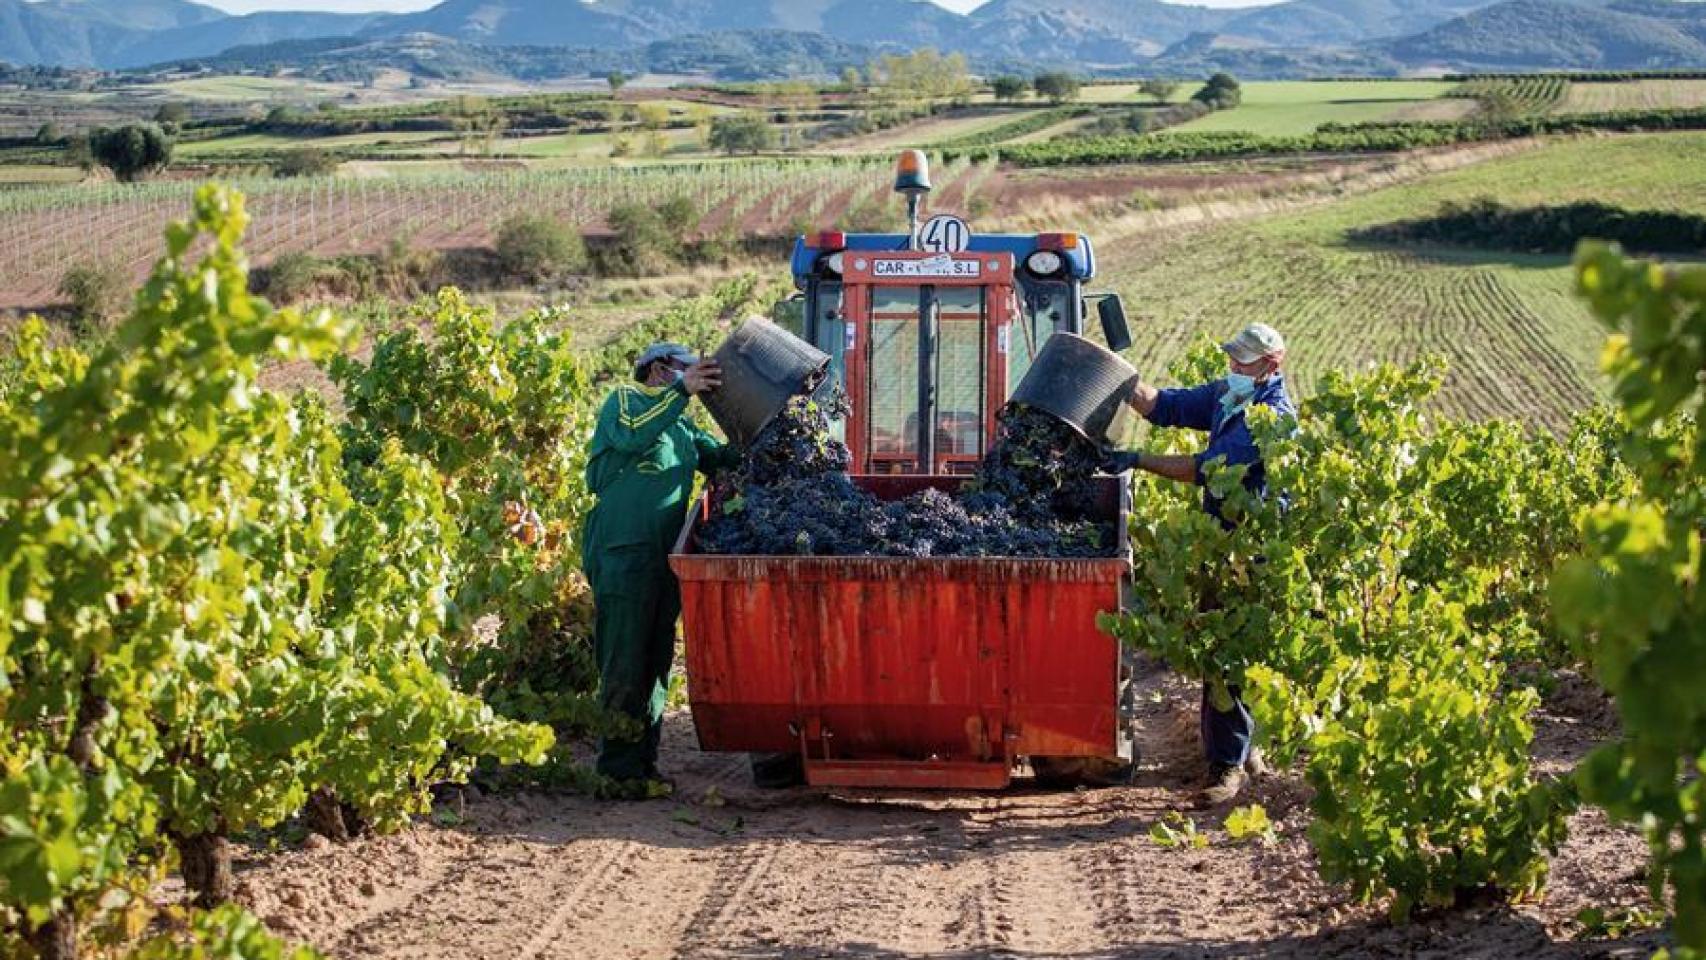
[(1360, 36)]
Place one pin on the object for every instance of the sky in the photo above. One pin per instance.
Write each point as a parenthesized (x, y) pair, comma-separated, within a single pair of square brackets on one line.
[(361, 6)]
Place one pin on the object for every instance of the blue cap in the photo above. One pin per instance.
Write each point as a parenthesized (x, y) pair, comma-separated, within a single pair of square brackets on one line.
[(663, 351)]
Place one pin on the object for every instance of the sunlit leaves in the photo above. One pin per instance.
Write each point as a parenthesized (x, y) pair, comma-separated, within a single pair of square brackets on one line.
[(199, 623), (1367, 607), (1633, 600)]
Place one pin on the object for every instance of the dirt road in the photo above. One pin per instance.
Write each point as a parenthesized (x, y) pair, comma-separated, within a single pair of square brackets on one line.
[(725, 870)]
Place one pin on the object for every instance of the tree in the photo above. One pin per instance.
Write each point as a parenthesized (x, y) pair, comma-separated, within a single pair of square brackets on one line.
[(307, 162), (742, 133), (479, 121), (1057, 88), (702, 117), (1220, 92), (174, 113), (851, 78), (1008, 87), (282, 116), (923, 75), (1158, 89), (132, 151), (653, 116), (534, 248), (617, 80), (49, 134)]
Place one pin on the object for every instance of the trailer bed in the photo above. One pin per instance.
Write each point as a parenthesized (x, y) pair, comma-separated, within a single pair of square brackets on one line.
[(900, 671)]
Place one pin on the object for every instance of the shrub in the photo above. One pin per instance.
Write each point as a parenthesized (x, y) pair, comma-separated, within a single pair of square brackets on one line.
[(534, 248), (293, 277), (647, 240), (97, 291), (307, 162), (1488, 224)]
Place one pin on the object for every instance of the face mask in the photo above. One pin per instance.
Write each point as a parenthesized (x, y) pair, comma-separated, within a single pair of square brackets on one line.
[(1240, 387)]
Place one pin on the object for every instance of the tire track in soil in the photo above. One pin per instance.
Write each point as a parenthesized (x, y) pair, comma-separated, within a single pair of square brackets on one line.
[(984, 916), (579, 903), (1043, 890), (736, 872)]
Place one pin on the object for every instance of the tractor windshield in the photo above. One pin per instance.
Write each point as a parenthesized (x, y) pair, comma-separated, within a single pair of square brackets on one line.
[(961, 315)]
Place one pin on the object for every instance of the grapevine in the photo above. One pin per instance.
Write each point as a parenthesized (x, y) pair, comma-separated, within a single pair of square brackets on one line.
[(1633, 599), (199, 624)]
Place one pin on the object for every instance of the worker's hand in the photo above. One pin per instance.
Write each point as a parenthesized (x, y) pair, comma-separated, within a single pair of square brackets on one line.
[(1142, 398), (1119, 461), (702, 376)]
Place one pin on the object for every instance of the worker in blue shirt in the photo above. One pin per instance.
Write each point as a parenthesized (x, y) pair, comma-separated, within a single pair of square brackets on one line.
[(1255, 357)]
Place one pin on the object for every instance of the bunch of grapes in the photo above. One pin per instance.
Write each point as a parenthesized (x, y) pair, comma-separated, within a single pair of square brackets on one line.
[(1033, 497)]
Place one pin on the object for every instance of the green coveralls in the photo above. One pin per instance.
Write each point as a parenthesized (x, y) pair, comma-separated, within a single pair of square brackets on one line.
[(644, 453)]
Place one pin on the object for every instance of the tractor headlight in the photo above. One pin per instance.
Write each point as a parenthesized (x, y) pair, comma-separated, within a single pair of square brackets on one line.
[(1043, 263), (833, 263)]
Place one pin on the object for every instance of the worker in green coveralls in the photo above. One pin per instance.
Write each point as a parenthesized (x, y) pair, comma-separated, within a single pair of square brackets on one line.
[(644, 453)]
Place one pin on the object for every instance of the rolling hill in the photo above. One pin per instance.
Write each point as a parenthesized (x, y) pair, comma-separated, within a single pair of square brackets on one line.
[(1292, 38), (1559, 35)]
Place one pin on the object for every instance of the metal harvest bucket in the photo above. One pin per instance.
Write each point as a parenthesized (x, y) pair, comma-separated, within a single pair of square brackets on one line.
[(763, 367), (1079, 382)]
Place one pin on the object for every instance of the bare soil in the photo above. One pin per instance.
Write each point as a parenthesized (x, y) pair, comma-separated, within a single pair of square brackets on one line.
[(726, 870)]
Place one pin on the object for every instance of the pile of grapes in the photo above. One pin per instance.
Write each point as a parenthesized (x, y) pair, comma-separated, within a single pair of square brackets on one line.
[(1033, 496)]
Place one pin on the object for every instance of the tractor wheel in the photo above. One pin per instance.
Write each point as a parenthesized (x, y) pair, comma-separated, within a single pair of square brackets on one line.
[(1065, 773), (778, 771)]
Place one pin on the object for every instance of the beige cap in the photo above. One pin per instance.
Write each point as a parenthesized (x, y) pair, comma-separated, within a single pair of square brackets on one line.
[(1254, 342)]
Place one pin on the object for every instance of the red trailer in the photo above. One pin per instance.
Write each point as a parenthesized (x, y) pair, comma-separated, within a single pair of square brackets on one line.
[(906, 672)]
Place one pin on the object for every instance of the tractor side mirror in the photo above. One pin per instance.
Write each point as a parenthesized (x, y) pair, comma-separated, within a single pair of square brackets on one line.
[(790, 314), (1115, 330)]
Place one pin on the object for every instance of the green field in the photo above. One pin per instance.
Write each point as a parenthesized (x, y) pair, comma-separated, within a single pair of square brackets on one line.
[(246, 88), (255, 142), (33, 173), (1284, 107), (1517, 341)]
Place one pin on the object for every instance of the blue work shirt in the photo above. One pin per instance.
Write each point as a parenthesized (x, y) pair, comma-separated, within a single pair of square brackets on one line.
[(1198, 408)]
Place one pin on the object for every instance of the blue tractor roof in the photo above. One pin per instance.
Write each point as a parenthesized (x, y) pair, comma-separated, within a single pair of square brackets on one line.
[(1080, 261)]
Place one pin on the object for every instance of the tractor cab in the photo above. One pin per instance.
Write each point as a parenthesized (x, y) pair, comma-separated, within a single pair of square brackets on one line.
[(930, 331)]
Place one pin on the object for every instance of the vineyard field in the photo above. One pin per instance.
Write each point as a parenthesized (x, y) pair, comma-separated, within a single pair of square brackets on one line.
[(1516, 340), (47, 229), (1280, 107), (1633, 95)]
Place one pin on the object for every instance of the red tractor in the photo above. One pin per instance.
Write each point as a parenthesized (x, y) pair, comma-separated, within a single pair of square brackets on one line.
[(907, 672)]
